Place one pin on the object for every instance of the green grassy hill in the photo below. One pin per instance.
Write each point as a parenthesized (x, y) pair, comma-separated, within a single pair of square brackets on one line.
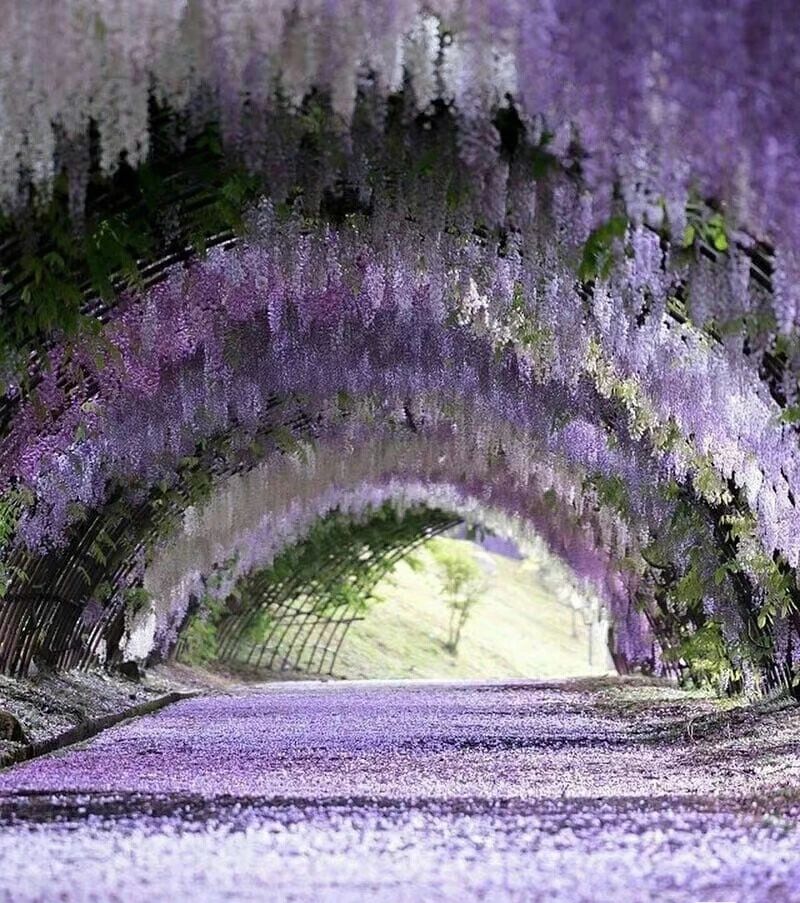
[(518, 629)]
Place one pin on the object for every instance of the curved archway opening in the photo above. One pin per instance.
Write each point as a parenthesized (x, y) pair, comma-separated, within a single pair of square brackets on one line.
[(473, 605)]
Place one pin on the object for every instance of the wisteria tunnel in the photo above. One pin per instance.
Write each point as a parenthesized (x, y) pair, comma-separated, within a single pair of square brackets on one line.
[(290, 287)]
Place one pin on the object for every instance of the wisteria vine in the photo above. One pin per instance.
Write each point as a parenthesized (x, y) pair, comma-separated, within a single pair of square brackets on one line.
[(501, 248)]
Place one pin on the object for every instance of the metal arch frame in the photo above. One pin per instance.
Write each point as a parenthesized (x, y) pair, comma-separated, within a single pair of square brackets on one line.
[(334, 646), (384, 561), (288, 594), (336, 565), (329, 618), (32, 626), (396, 545), (308, 623), (397, 538)]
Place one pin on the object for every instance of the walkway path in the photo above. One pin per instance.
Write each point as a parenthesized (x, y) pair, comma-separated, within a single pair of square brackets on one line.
[(414, 792)]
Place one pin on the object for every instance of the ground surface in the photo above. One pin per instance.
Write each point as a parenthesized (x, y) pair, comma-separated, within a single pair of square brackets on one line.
[(525, 791), (518, 629), (50, 704)]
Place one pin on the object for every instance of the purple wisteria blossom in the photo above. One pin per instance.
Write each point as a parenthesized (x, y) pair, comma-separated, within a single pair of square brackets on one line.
[(524, 231)]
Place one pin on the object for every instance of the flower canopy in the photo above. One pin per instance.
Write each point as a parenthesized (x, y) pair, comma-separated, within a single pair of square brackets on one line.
[(528, 263)]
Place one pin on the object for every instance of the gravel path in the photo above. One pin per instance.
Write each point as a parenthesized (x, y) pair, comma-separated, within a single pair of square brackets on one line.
[(523, 791)]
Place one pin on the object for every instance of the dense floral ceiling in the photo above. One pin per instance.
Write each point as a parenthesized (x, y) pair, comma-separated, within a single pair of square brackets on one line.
[(540, 257)]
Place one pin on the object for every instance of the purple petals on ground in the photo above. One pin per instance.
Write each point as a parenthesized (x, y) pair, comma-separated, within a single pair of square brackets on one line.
[(415, 791)]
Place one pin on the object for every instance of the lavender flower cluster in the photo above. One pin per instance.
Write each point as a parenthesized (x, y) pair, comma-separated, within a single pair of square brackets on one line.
[(633, 82)]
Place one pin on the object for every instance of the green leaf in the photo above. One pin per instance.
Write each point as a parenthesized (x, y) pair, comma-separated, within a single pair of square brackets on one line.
[(720, 241), (598, 252)]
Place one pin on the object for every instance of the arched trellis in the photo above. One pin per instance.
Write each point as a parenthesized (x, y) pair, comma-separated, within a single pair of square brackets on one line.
[(43, 614), (46, 622), (116, 560), (108, 629), (62, 640), (298, 622)]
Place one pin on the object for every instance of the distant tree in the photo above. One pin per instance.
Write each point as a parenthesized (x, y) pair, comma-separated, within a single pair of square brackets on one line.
[(463, 586)]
